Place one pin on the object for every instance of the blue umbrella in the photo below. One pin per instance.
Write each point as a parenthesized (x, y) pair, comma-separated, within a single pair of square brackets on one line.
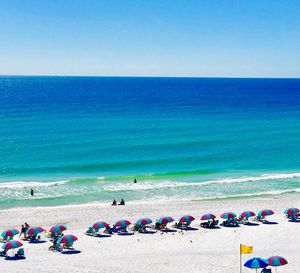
[(256, 262)]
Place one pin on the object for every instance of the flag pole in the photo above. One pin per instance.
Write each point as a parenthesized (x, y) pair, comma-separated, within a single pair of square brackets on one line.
[(240, 259)]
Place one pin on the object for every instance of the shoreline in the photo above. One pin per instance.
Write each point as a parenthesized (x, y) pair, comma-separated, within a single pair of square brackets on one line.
[(284, 196)]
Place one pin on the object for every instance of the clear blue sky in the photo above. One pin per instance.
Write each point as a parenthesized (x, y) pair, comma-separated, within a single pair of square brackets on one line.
[(246, 38)]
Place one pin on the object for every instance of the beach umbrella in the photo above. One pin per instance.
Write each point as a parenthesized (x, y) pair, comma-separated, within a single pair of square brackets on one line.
[(165, 220), (277, 261), (186, 219), (256, 263), (67, 239), (208, 216), (228, 215), (34, 230), (99, 225), (247, 214), (144, 221), (9, 233), (122, 223), (58, 228), (266, 212), (11, 245), (291, 211)]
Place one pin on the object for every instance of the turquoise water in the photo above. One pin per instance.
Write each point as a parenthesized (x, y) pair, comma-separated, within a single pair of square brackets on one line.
[(84, 139)]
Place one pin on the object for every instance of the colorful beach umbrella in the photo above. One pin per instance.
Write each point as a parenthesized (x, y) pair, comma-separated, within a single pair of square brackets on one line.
[(208, 216), (100, 224), (291, 211), (186, 219), (144, 221), (247, 214), (122, 223), (11, 245), (58, 229), (9, 233), (34, 230), (277, 261), (266, 212), (67, 239), (228, 215), (165, 220), (256, 263)]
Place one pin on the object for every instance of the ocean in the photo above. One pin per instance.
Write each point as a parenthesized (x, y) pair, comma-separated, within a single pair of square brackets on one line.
[(76, 140)]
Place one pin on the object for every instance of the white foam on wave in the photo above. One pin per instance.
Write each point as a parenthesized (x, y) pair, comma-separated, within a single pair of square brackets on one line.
[(152, 184), (30, 184)]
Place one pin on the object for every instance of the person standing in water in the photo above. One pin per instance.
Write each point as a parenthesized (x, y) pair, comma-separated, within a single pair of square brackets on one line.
[(134, 181), (31, 192)]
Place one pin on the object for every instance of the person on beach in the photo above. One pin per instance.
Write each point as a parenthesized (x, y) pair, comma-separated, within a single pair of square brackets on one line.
[(122, 203), (134, 181), (114, 203), (23, 231), (31, 192)]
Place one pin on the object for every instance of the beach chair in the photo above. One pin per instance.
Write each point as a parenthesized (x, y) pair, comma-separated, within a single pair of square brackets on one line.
[(3, 253), (266, 270), (68, 245), (234, 222), (260, 218), (20, 253), (90, 231)]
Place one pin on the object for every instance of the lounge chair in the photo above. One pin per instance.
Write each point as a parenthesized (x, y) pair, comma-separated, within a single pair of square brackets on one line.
[(90, 232), (266, 270), (230, 222), (3, 253), (68, 246), (20, 253), (260, 218)]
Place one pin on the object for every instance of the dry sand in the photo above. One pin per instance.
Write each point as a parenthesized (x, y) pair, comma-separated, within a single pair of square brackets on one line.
[(193, 251)]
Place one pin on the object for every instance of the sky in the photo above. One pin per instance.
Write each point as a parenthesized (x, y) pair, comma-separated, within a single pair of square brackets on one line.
[(191, 38)]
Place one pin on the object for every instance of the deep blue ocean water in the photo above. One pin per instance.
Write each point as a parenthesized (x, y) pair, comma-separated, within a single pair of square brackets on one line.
[(84, 139)]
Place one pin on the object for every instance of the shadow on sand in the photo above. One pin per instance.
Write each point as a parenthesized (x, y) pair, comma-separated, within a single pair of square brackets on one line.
[(102, 236), (37, 242), (250, 224), (270, 223), (126, 234), (70, 252), (15, 258)]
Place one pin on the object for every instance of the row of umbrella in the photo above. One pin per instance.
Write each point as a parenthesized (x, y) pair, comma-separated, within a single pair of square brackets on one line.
[(258, 262), (145, 221)]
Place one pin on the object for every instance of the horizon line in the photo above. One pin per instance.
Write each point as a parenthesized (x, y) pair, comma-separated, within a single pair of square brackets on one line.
[(144, 76)]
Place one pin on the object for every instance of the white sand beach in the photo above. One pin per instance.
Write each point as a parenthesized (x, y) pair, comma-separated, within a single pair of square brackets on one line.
[(192, 251)]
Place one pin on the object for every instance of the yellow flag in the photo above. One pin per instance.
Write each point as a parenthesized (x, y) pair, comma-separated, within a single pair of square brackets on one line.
[(246, 249)]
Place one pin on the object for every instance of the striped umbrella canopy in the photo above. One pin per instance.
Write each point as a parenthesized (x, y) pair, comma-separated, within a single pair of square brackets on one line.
[(266, 212), (247, 214), (256, 263), (9, 233), (100, 224), (165, 220), (58, 228), (186, 219), (228, 215), (11, 245), (67, 239), (291, 211), (277, 261), (144, 221), (122, 223), (34, 230), (208, 216)]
